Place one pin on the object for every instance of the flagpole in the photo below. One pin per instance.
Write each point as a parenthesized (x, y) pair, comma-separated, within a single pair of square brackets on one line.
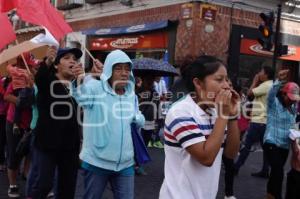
[(86, 50), (17, 42), (89, 53)]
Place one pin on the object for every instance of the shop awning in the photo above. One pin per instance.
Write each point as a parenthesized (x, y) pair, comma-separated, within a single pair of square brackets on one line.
[(126, 29)]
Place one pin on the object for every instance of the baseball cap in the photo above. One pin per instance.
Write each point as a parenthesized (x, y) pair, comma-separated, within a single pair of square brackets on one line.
[(292, 91), (63, 51)]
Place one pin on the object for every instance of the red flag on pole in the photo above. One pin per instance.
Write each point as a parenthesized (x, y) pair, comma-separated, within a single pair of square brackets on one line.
[(42, 13), (7, 5), (7, 33)]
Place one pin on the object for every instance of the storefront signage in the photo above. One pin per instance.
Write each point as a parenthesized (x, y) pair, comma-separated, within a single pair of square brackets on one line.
[(124, 42), (136, 28), (252, 47), (208, 12), (103, 31), (145, 41), (126, 29), (187, 11)]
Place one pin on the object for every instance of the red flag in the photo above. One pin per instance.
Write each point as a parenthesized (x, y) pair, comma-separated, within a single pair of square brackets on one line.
[(42, 13), (7, 5), (7, 34)]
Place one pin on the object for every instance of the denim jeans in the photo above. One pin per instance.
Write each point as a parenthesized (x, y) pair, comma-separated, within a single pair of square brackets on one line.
[(255, 134), (122, 186), (33, 171), (63, 165)]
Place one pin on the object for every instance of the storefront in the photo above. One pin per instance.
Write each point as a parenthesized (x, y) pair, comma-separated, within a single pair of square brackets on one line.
[(142, 40), (247, 57)]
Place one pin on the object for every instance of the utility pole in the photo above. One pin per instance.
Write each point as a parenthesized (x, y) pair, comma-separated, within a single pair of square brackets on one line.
[(277, 39)]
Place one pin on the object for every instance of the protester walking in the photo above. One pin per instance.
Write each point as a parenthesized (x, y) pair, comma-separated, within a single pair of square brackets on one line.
[(149, 104), (194, 132), (281, 115), (19, 106), (259, 90), (56, 144), (228, 161), (109, 106)]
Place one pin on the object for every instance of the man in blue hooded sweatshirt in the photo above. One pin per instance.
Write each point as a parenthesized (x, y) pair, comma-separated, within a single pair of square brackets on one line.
[(109, 108)]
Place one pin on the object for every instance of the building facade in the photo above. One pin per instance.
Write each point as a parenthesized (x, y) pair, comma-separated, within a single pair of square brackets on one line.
[(150, 28)]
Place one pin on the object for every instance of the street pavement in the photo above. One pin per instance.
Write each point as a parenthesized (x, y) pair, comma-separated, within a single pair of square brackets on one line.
[(147, 187)]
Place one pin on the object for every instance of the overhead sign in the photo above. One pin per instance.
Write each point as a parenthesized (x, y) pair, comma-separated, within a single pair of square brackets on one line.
[(252, 47), (127, 29), (144, 41)]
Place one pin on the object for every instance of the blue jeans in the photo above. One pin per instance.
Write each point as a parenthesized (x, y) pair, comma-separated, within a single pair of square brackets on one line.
[(63, 165), (94, 184), (255, 134), (33, 172)]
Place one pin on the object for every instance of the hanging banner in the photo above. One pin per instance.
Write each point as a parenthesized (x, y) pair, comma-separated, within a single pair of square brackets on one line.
[(144, 41), (252, 47)]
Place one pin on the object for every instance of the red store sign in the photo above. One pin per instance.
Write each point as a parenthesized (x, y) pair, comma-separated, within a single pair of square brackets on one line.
[(252, 47), (145, 41)]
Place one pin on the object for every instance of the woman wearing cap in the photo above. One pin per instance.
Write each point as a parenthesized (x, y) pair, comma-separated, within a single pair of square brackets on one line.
[(56, 144), (281, 114)]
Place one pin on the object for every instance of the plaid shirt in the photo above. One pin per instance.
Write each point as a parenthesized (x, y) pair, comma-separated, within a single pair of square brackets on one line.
[(279, 120)]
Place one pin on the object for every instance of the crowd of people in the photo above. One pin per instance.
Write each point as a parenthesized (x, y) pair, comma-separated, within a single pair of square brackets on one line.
[(73, 119)]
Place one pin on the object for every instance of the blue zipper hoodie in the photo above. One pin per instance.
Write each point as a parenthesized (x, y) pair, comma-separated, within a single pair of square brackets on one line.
[(107, 141)]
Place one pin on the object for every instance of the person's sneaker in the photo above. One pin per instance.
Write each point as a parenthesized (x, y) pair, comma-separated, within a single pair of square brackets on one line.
[(50, 194), (229, 197), (158, 144), (13, 191), (260, 174), (150, 144)]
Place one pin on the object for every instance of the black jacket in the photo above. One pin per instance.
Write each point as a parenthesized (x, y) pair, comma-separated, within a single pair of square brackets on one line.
[(53, 132), (149, 104)]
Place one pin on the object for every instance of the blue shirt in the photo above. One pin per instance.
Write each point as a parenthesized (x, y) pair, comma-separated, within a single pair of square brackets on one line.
[(279, 120)]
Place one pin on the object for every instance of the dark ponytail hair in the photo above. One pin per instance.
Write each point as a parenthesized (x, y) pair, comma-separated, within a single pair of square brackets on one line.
[(203, 66)]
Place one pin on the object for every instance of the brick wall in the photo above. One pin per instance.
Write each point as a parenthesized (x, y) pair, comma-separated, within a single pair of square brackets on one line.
[(189, 40)]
